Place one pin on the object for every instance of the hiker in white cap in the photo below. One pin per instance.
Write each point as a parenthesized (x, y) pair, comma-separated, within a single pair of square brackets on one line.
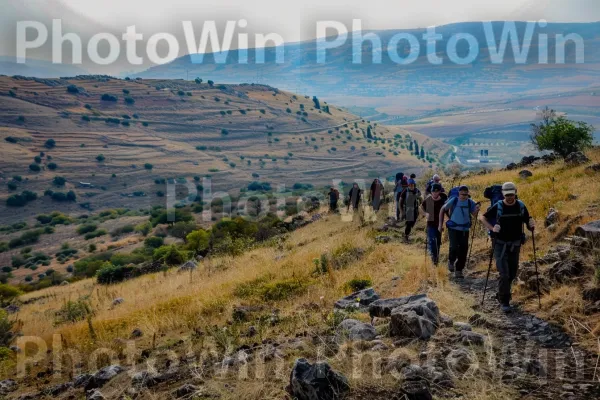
[(508, 236)]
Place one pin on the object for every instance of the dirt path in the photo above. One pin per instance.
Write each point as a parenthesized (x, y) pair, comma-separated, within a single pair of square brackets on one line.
[(536, 357)]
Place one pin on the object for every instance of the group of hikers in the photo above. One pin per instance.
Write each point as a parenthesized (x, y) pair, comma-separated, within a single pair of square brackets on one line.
[(456, 211)]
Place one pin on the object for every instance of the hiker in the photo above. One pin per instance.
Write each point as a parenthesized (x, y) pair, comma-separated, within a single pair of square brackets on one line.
[(435, 179), (410, 199), (354, 196), (507, 237), (334, 196), (459, 210), (376, 194), (432, 205), (401, 186)]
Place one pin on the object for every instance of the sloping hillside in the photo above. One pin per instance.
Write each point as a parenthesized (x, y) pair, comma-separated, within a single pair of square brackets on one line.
[(234, 327), (112, 151)]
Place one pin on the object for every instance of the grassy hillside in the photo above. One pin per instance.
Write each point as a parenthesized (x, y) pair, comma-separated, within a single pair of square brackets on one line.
[(174, 129), (289, 303)]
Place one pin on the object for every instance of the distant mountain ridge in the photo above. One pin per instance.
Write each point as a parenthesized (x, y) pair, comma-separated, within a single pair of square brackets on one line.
[(339, 76)]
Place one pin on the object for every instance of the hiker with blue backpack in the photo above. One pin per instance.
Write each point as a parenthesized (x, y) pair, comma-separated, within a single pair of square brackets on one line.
[(459, 208), (509, 214)]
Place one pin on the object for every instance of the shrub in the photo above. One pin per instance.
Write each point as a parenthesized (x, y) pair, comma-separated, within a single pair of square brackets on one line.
[(125, 123), (148, 166), (59, 181), (21, 118), (60, 196), (18, 178), (356, 284), (83, 229), (562, 136), (89, 107), (154, 242), (3, 247), (52, 166), (282, 289), (6, 329), (95, 234), (129, 100), (11, 139), (112, 274), (35, 167), (210, 83), (92, 248), (122, 230), (144, 228), (11, 186), (169, 255), (20, 200), (73, 311), (108, 97), (50, 143), (224, 132), (7, 293), (100, 157), (72, 89)]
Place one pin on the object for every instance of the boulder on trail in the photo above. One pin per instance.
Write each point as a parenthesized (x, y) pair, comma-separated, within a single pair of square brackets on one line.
[(356, 330), (418, 319), (471, 338), (316, 382), (383, 308), (590, 231), (361, 299), (525, 173), (103, 376), (577, 158)]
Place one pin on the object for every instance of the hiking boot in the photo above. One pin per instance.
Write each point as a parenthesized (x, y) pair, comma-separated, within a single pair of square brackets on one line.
[(450, 266), (459, 275), (506, 308)]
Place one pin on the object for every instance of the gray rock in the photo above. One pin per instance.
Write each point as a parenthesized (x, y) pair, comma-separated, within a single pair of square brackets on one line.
[(563, 271), (525, 173), (511, 166), (446, 320), (185, 391), (117, 301), (416, 390), (58, 389), (576, 158), (551, 218), (316, 382), (82, 380), (356, 330), (462, 326), (418, 318), (590, 231), (471, 338), (144, 379), (365, 298), (15, 349), (459, 361), (103, 376), (188, 265), (413, 372), (12, 309), (593, 168), (383, 239), (94, 395), (136, 333), (383, 308), (7, 386), (534, 367)]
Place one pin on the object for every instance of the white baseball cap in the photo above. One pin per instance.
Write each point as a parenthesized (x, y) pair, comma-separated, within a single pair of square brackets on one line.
[(509, 188)]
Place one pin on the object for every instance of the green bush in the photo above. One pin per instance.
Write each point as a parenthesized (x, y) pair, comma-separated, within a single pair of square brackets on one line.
[(8, 293), (144, 228), (100, 157), (87, 228), (148, 166), (122, 230), (95, 234), (6, 329), (154, 242), (52, 166), (112, 273), (3, 247), (356, 284), (12, 186), (169, 255), (108, 97), (59, 181), (35, 167), (73, 311), (282, 289)]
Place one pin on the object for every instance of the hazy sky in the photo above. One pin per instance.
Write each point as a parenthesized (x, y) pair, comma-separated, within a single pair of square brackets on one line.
[(293, 20), (289, 18)]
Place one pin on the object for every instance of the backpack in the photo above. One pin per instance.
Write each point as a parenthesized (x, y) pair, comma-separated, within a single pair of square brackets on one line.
[(428, 186), (522, 212), (404, 181), (494, 193), (453, 201)]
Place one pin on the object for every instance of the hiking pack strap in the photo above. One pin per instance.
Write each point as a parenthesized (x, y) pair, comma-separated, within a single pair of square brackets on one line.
[(500, 205)]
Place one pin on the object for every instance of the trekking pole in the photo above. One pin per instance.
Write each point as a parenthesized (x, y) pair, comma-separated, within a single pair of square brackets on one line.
[(537, 276), (489, 270), (426, 243), (472, 238)]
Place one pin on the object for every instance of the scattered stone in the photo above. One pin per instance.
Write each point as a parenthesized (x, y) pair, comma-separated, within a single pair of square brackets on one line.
[(534, 367), (144, 379), (383, 239), (471, 338), (64, 283), (242, 313), (188, 265), (511, 166), (103, 376), (15, 349), (94, 395), (525, 174), (593, 168), (462, 326), (12, 309), (360, 299), (7, 386), (446, 320), (136, 333), (185, 391), (590, 231), (563, 271), (577, 158), (82, 380), (356, 330), (477, 320), (459, 361), (316, 382), (383, 308), (572, 197), (413, 372), (58, 389), (418, 318), (551, 218), (117, 301), (552, 228), (416, 390)]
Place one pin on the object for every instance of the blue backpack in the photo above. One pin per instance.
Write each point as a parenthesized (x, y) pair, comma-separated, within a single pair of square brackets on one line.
[(494, 193), (453, 200)]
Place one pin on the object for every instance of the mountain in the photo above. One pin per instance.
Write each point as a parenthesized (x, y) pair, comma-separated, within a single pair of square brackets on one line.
[(37, 68), (151, 130)]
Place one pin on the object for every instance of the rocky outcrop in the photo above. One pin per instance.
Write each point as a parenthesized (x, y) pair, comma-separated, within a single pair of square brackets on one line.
[(356, 330), (590, 231), (551, 218), (576, 158), (415, 319), (361, 299), (316, 382), (525, 173), (102, 377), (383, 308), (593, 168)]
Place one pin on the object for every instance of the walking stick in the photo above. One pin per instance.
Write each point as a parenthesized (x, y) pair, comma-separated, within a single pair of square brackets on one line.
[(537, 276), (426, 244), (489, 269), (472, 239)]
